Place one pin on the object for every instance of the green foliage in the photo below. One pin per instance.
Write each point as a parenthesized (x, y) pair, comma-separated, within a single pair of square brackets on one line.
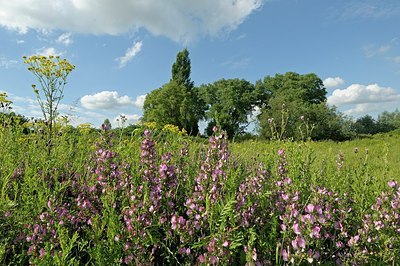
[(245, 181), (181, 69), (230, 102), (172, 104), (176, 102), (161, 197), (388, 121), (329, 123), (163, 105), (365, 125), (306, 88), (302, 100)]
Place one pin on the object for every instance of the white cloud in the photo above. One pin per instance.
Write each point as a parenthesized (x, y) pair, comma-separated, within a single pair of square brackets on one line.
[(7, 63), (47, 51), (65, 39), (130, 119), (236, 63), (24, 100), (25, 105), (333, 82), (139, 102), (369, 9), (130, 53), (180, 20), (109, 100), (77, 115), (20, 41), (29, 107), (357, 93), (361, 109), (360, 99), (374, 50)]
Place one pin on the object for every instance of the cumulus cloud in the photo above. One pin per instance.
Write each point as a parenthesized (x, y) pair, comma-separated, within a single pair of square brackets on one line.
[(107, 100), (180, 20), (360, 99), (130, 53), (65, 39), (333, 82), (357, 93), (29, 107), (365, 108), (47, 51), (139, 102)]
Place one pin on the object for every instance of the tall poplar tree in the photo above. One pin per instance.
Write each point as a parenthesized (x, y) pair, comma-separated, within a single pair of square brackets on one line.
[(181, 69), (176, 102)]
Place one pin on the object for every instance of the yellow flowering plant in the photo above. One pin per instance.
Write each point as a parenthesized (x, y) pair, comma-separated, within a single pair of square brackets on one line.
[(51, 72)]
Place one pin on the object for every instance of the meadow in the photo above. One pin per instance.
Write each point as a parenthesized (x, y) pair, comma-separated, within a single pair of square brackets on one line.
[(156, 196)]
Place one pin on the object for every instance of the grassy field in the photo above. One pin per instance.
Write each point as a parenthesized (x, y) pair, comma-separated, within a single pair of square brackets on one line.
[(362, 166), (159, 197)]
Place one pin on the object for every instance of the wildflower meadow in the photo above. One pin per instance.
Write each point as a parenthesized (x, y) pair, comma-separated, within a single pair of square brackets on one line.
[(159, 197)]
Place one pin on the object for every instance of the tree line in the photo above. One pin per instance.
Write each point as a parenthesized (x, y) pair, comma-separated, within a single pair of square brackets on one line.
[(284, 106), (287, 105)]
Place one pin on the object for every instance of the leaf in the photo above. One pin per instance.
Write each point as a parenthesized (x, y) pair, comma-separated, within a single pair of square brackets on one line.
[(227, 212)]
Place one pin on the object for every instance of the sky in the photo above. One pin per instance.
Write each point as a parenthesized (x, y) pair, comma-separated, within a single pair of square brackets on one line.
[(124, 49)]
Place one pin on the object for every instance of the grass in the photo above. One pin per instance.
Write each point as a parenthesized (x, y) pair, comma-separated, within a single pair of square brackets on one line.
[(160, 197)]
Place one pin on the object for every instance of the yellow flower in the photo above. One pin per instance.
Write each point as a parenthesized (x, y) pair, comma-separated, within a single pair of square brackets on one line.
[(150, 125)]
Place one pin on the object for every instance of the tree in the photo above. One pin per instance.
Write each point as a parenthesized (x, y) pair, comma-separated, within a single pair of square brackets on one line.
[(388, 121), (163, 105), (365, 125), (176, 102), (52, 73), (281, 118), (230, 102), (181, 69), (295, 106), (306, 88), (328, 123)]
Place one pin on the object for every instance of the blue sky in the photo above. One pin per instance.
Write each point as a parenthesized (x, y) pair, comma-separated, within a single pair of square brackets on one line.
[(124, 49)]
